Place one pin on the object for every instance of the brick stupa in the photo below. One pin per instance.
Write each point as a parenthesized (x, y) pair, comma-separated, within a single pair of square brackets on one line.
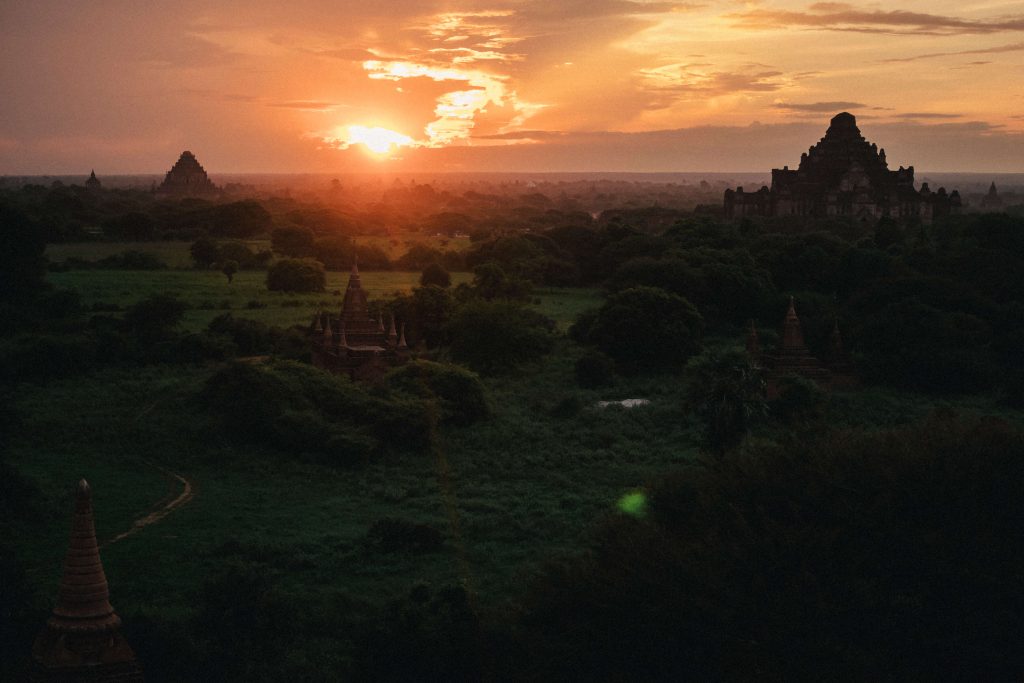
[(82, 640), (187, 178), (353, 343), (793, 358)]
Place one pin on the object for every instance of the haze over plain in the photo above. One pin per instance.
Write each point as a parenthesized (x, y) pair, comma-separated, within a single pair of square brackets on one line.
[(596, 85)]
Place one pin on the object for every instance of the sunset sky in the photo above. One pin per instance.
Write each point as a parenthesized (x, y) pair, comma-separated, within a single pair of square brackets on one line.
[(534, 85)]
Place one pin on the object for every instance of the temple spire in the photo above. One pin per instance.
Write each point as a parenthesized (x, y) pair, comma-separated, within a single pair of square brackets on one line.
[(392, 333), (792, 335), (401, 339), (82, 639), (343, 341)]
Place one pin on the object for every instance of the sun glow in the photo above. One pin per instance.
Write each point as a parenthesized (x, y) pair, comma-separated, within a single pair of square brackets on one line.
[(376, 139)]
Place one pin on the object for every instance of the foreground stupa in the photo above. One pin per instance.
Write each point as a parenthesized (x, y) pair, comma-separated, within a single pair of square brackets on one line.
[(187, 178), (843, 176), (82, 640)]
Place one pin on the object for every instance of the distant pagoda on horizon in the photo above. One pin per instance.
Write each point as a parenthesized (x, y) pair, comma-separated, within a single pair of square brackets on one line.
[(843, 176), (92, 182), (187, 178)]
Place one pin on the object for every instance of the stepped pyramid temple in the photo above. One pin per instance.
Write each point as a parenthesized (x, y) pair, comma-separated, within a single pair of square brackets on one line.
[(82, 640), (353, 343), (992, 201), (793, 358), (187, 178), (843, 176)]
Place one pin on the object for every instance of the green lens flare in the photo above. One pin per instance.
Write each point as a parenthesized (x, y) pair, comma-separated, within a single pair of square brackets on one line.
[(634, 504)]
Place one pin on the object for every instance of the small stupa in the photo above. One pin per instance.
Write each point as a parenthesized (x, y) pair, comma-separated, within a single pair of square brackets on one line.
[(992, 201), (187, 178), (82, 640), (793, 358), (93, 183)]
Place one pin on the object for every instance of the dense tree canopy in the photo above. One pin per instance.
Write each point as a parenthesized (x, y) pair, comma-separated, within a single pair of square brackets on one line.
[(644, 328)]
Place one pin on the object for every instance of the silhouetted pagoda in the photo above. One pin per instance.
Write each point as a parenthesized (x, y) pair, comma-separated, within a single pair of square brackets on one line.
[(992, 201), (92, 183), (843, 176), (355, 344), (187, 178), (793, 358), (82, 640)]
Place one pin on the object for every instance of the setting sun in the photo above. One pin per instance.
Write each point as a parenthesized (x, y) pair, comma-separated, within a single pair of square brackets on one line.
[(376, 139)]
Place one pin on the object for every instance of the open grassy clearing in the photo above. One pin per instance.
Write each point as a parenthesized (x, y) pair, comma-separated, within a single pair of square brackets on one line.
[(176, 255), (208, 294), (527, 485)]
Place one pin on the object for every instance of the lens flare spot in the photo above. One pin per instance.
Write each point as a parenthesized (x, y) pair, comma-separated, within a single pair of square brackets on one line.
[(634, 504)]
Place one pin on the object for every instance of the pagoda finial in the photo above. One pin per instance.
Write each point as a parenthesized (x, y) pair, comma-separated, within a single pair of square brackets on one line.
[(380, 322), (401, 338), (392, 333), (792, 336), (82, 639)]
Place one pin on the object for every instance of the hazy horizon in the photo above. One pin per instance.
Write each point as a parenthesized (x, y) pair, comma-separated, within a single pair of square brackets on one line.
[(504, 85)]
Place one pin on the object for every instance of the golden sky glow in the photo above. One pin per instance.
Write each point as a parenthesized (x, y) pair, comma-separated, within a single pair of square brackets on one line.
[(516, 85)]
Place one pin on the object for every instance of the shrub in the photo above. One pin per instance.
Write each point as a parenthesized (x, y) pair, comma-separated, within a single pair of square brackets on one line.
[(294, 275), (154, 317), (594, 369), (297, 408), (645, 328), (459, 393), (855, 556), (252, 337), (435, 275), (495, 336), (390, 535), (727, 391)]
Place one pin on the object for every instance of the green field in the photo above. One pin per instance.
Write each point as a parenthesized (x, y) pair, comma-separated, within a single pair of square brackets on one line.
[(208, 294), (176, 253), (526, 485)]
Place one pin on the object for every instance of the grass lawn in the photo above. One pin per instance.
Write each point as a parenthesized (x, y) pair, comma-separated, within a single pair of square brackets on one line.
[(176, 253), (527, 485), (208, 294)]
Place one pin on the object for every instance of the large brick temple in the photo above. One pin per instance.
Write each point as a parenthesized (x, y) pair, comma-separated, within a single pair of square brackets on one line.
[(353, 343), (187, 178), (843, 176)]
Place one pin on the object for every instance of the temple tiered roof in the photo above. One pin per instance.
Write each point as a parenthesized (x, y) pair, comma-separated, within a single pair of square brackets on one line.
[(186, 178), (843, 175), (354, 343)]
